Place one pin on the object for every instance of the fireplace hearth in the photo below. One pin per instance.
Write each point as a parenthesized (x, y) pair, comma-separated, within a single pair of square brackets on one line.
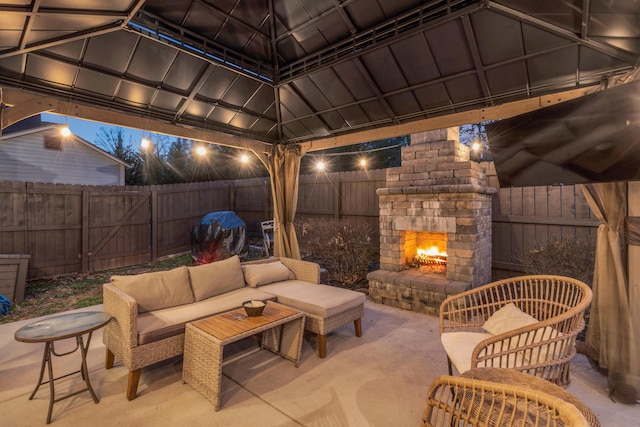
[(435, 225)]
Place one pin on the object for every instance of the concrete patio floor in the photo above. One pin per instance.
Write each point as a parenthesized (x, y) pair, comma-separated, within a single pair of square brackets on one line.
[(380, 379)]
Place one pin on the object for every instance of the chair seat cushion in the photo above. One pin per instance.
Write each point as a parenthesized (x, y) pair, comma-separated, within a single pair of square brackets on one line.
[(160, 324), (321, 300), (459, 347)]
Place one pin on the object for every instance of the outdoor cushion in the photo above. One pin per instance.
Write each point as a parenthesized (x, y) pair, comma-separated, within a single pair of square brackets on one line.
[(507, 319), (157, 290), (161, 324), (459, 347), (216, 278), (263, 274), (322, 300)]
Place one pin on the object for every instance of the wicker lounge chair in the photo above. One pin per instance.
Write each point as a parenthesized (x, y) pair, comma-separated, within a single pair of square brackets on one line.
[(536, 335), (457, 401)]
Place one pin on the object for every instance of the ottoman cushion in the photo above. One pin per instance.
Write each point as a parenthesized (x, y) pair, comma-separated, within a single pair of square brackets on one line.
[(321, 300)]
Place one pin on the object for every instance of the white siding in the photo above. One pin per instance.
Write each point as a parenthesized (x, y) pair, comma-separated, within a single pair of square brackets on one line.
[(24, 158)]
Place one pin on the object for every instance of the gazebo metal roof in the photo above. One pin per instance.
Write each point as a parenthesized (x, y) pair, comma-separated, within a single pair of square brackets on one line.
[(304, 70)]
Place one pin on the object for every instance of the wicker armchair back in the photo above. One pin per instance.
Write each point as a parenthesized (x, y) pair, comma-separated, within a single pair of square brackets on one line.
[(544, 349), (457, 401)]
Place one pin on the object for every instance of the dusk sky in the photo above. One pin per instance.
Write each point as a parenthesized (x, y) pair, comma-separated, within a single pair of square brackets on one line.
[(88, 130)]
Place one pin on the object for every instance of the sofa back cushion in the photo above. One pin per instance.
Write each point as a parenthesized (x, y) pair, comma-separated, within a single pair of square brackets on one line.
[(219, 277), (153, 291), (265, 273)]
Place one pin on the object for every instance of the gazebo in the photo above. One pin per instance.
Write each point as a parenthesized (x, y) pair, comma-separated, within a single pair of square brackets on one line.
[(285, 77)]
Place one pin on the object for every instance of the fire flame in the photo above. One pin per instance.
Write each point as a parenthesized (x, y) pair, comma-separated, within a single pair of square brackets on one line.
[(432, 251)]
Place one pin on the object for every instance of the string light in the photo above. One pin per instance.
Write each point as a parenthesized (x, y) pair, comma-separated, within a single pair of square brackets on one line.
[(475, 146), (320, 165), (65, 131), (201, 151), (363, 163), (244, 159), (145, 143)]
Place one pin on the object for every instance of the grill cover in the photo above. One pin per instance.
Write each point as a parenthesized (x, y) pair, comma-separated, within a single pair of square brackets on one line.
[(218, 236)]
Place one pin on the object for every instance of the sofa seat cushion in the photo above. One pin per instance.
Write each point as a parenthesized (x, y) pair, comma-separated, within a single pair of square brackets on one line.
[(157, 290), (160, 324), (321, 300)]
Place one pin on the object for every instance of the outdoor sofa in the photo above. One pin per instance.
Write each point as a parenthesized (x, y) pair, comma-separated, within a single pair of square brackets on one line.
[(151, 310)]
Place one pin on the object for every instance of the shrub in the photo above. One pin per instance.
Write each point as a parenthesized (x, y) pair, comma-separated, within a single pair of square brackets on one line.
[(345, 248), (572, 257)]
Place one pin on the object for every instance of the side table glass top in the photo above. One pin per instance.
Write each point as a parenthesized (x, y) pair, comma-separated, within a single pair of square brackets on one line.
[(62, 326)]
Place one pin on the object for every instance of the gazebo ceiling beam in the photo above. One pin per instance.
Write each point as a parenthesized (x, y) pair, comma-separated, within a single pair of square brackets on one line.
[(19, 100), (509, 109)]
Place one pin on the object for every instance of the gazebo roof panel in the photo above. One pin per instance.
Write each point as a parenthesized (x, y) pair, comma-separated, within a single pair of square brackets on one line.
[(319, 67)]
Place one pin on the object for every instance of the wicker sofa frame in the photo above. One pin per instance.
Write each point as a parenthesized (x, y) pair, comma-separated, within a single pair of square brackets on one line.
[(557, 302), (121, 340), (457, 401)]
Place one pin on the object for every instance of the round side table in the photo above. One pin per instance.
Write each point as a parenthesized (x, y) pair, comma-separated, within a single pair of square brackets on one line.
[(72, 325)]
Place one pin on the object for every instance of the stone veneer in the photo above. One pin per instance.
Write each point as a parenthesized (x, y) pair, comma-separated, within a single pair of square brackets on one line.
[(437, 189)]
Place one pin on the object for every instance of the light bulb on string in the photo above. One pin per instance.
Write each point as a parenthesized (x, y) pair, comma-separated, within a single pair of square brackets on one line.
[(64, 130), (145, 143)]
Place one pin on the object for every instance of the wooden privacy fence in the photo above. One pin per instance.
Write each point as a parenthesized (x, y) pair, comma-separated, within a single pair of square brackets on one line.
[(73, 228)]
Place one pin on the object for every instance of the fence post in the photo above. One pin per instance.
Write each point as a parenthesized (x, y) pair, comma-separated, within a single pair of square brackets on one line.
[(84, 245), (232, 196), (336, 195), (154, 223)]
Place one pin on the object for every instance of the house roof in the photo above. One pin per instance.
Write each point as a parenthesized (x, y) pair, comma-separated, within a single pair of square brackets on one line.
[(302, 70), (36, 125)]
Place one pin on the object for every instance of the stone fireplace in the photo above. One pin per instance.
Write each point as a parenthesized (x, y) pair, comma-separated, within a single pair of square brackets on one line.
[(435, 225)]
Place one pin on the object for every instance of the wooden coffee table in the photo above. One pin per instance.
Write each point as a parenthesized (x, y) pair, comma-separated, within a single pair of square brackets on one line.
[(204, 341)]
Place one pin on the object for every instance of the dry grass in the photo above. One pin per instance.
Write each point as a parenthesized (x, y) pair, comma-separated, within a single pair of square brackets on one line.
[(58, 294)]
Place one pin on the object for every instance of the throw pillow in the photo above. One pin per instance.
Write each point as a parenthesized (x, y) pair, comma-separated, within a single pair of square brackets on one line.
[(507, 319), (262, 274), (216, 278)]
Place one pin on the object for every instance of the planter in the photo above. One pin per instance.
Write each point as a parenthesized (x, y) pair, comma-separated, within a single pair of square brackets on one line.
[(13, 276)]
